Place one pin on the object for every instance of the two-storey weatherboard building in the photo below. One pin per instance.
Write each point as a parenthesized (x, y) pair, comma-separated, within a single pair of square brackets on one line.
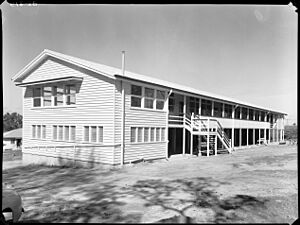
[(78, 110)]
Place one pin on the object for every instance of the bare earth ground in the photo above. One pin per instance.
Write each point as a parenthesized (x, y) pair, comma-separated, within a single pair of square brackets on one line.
[(254, 185)]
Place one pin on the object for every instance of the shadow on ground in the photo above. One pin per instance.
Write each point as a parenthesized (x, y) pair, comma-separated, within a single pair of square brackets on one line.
[(55, 194)]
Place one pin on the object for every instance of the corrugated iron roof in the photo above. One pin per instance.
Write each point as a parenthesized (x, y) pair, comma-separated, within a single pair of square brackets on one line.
[(114, 73), (17, 133)]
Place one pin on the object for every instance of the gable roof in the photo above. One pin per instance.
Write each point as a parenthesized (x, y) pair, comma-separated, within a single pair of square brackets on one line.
[(17, 133), (116, 73)]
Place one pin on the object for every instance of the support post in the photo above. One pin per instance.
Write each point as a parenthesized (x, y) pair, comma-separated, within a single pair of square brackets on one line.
[(184, 130), (216, 144), (191, 146), (247, 137), (258, 136), (240, 139), (207, 143), (254, 136), (167, 126), (269, 139), (232, 129)]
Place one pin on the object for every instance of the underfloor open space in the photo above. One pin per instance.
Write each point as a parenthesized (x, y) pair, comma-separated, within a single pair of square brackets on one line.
[(252, 185)]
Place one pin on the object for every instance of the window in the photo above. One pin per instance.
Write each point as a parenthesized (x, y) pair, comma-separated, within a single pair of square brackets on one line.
[(38, 132), (73, 133), (43, 132), (244, 113), (132, 134), (146, 134), (37, 96), (54, 133), (70, 93), (157, 134), (218, 107), (163, 134), (251, 114), (67, 133), (194, 105), (58, 92), (100, 134), (136, 96), (140, 134), (237, 112), (152, 137), (149, 98), (171, 102), (268, 117), (256, 115), (93, 134), (60, 133), (206, 107), (33, 131), (262, 116), (86, 134), (227, 111), (160, 99), (47, 95)]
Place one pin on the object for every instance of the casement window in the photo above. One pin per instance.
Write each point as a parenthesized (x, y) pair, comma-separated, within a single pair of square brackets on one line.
[(251, 114), (163, 134), (146, 134), (47, 95), (244, 113), (37, 97), (227, 111), (194, 105), (73, 133), (133, 134), (60, 133), (93, 134), (218, 107), (70, 94), (33, 134), (58, 93), (38, 132), (157, 134), (171, 102), (67, 133), (152, 134), (43, 132), (206, 106), (149, 98), (140, 134), (237, 112), (100, 134), (86, 133), (136, 96), (54, 132), (160, 99)]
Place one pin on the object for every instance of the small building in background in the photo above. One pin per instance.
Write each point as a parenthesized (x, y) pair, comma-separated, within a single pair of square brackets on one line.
[(12, 139)]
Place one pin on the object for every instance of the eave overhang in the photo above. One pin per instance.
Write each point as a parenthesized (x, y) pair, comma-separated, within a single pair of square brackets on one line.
[(49, 81)]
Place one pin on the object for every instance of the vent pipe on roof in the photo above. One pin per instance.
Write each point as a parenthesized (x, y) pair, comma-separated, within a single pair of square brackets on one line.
[(123, 63)]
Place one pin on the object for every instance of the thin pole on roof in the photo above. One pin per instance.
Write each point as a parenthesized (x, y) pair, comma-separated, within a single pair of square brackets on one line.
[(123, 63)]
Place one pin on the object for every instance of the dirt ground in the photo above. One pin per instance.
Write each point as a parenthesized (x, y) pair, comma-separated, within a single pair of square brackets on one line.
[(253, 185)]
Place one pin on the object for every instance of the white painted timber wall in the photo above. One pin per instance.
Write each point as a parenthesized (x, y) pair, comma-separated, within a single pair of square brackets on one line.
[(140, 118), (94, 107)]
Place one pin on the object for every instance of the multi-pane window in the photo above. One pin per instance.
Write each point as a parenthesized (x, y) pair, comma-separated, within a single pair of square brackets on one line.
[(160, 99), (171, 102), (67, 133), (163, 134), (100, 134), (251, 114), (38, 131), (93, 134), (47, 95), (73, 133), (136, 96), (60, 133), (218, 107), (58, 93), (70, 93), (149, 98), (37, 97), (244, 113), (194, 105), (227, 111), (157, 134), (146, 134), (237, 112), (33, 134), (206, 106)]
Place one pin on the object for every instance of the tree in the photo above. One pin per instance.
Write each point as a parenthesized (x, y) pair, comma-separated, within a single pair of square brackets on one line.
[(12, 121)]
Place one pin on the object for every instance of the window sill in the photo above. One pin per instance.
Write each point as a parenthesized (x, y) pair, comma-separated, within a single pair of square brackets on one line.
[(64, 141), (145, 109), (53, 107), (143, 143)]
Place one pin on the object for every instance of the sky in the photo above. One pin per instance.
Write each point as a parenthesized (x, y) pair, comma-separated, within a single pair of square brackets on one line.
[(244, 52)]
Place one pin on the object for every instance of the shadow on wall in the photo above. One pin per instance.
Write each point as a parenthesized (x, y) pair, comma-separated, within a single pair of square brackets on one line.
[(59, 194)]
